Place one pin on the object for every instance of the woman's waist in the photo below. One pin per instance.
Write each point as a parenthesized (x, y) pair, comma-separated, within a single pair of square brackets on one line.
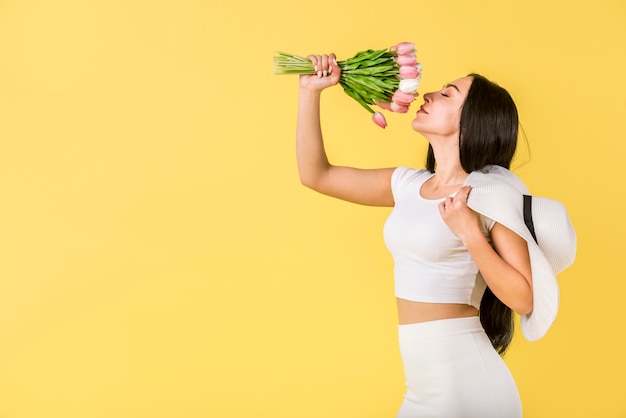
[(412, 312)]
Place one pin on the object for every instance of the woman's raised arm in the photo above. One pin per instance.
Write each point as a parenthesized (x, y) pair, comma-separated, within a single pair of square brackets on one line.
[(364, 186)]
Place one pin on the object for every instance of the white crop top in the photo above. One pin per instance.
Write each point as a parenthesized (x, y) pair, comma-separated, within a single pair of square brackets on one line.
[(430, 262)]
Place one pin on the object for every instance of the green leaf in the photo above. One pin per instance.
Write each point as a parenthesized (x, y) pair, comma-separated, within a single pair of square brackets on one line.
[(366, 55), (357, 97), (371, 70), (366, 82), (373, 63), (385, 83), (368, 95)]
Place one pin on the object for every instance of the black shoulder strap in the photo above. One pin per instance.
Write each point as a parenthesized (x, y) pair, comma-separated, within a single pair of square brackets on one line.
[(528, 215)]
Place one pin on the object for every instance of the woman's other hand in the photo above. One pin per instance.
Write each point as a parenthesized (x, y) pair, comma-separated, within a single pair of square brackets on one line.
[(461, 220)]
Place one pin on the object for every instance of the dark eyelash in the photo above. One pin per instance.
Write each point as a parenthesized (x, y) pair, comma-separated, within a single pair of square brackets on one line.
[(444, 95)]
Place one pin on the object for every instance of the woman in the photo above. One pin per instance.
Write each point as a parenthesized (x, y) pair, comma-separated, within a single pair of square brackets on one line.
[(442, 249)]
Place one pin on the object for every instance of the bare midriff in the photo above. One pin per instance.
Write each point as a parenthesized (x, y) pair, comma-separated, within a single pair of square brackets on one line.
[(410, 312)]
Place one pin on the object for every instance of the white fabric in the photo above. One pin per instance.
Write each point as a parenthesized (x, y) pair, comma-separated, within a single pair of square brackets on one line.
[(498, 194), (430, 263), (452, 370)]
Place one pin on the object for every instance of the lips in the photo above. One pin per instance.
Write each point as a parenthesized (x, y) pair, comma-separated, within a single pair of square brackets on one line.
[(421, 109)]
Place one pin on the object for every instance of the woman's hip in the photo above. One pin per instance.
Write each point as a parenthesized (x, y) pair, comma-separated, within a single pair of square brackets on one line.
[(451, 368)]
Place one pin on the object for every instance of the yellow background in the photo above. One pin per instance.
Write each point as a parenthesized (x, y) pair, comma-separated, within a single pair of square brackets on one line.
[(159, 258)]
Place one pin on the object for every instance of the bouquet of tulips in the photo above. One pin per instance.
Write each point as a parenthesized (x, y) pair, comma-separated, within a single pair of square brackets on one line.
[(388, 78)]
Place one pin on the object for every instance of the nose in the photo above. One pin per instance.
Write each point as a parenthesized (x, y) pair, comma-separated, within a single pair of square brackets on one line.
[(428, 97)]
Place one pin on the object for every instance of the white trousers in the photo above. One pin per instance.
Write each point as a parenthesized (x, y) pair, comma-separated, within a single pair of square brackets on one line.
[(453, 371)]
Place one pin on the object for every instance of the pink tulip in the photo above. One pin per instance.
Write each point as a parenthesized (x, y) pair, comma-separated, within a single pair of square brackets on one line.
[(401, 97), (383, 105), (379, 119), (408, 71), (399, 108), (404, 48), (406, 60)]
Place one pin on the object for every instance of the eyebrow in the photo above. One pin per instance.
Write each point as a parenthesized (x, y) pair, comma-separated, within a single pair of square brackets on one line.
[(452, 85)]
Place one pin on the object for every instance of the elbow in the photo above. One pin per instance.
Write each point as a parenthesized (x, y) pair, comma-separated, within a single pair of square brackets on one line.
[(525, 307), (308, 182), (524, 310), (314, 180)]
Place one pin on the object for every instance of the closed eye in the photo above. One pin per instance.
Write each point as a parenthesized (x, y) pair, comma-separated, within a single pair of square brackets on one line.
[(449, 86)]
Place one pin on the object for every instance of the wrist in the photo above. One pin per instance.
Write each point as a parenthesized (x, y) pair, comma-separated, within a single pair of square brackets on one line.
[(473, 238), (311, 90), (309, 93)]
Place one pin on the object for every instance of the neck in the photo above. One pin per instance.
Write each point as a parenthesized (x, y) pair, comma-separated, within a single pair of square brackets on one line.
[(448, 169), (448, 175)]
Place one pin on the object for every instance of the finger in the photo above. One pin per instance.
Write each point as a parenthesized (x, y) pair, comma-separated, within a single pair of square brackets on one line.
[(324, 66), (334, 67), (463, 193), (446, 204), (314, 61), (320, 65), (442, 209)]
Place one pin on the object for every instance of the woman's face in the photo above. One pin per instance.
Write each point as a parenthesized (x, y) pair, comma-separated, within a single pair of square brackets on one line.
[(440, 115)]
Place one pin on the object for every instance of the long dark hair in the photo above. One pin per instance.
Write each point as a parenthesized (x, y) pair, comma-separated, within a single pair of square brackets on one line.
[(488, 136)]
